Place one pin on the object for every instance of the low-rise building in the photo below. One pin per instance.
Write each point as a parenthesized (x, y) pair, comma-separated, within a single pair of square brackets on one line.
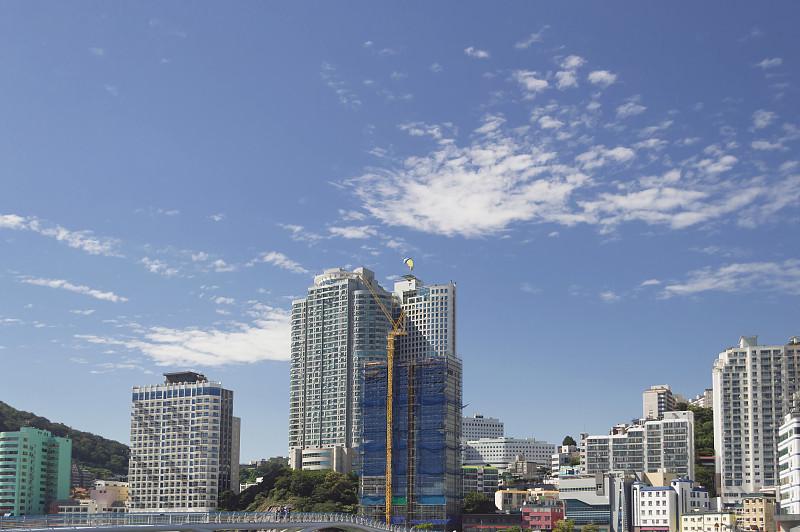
[(480, 479), (489, 522), (756, 511), (708, 522), (602, 499), (541, 514), (659, 508)]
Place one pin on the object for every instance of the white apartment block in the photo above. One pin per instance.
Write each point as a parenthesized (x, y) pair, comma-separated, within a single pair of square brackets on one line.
[(661, 507), (751, 385), (657, 400), (335, 331), (561, 458), (477, 427), (789, 464), (499, 452), (184, 445), (708, 522), (654, 445)]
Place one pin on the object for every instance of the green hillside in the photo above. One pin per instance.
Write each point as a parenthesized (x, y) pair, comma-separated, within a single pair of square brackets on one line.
[(88, 449)]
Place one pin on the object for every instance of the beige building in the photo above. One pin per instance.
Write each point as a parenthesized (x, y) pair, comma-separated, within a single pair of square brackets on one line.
[(708, 522), (756, 512)]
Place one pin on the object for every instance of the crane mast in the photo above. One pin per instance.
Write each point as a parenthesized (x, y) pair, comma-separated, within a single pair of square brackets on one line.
[(398, 329)]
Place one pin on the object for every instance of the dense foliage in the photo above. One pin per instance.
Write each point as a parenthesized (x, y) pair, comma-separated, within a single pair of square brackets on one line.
[(478, 503), (569, 440), (95, 452), (703, 444), (303, 491)]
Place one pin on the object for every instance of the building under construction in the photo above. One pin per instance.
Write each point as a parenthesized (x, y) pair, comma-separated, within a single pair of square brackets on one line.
[(426, 455)]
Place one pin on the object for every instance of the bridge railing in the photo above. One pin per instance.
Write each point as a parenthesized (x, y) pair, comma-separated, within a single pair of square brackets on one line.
[(134, 519)]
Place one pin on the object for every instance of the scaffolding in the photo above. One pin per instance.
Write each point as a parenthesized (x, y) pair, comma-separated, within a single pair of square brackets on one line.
[(426, 454)]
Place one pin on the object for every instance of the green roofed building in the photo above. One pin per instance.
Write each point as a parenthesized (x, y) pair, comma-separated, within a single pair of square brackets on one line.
[(34, 470)]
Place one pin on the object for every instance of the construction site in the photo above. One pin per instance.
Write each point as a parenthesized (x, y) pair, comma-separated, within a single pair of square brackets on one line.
[(425, 454)]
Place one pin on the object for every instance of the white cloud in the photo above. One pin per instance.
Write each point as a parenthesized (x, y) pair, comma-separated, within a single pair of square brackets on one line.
[(762, 118), (530, 81), (529, 288), (158, 266), (367, 44), (769, 63), (83, 312), (84, 240), (630, 109), (604, 78), (782, 277), (217, 217), (650, 282), (546, 122), (599, 156), (479, 54), (766, 145), (78, 289), (566, 79), (398, 75), (97, 51), (219, 300), (532, 38), (200, 256), (280, 260), (266, 338), (220, 266), (363, 231), (436, 68), (572, 62), (609, 296)]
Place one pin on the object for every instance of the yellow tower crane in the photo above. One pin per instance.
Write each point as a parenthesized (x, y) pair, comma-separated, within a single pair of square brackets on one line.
[(398, 329)]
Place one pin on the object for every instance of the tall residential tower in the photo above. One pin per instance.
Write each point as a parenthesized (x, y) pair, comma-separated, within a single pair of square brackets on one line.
[(752, 384), (184, 445), (336, 330)]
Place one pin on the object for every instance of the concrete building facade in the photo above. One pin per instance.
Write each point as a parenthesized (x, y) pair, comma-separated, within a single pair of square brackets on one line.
[(184, 445), (789, 463), (752, 384), (657, 400), (34, 470), (477, 427), (665, 444), (335, 331), (499, 452), (480, 479)]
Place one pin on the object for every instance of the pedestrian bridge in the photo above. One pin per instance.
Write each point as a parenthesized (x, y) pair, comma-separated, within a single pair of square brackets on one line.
[(194, 522)]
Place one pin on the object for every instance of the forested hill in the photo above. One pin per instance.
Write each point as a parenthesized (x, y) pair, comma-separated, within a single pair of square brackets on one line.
[(89, 449)]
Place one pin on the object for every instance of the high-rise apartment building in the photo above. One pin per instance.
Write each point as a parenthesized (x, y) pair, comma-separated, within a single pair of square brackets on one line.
[(477, 427), (184, 445), (426, 413), (336, 331), (752, 384), (654, 445), (657, 400), (34, 470), (789, 462)]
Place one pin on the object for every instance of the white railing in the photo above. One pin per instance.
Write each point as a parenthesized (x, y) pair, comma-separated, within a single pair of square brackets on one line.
[(206, 520)]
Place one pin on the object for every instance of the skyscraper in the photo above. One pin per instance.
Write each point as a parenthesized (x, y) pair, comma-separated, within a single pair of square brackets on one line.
[(34, 469), (426, 413), (752, 384), (184, 445), (336, 330)]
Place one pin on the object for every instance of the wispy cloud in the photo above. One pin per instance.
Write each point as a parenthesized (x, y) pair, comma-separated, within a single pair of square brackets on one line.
[(630, 109), (266, 338), (280, 260), (78, 289), (353, 231), (479, 54), (782, 277), (762, 118), (770, 63), (532, 38), (332, 79), (159, 267), (217, 217), (531, 82), (609, 296), (84, 240), (88, 312), (97, 51)]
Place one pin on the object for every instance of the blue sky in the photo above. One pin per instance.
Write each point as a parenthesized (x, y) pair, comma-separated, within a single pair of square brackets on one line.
[(613, 186)]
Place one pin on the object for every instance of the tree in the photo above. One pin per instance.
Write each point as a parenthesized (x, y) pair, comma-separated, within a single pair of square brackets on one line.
[(477, 503), (564, 525), (590, 527), (568, 440)]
